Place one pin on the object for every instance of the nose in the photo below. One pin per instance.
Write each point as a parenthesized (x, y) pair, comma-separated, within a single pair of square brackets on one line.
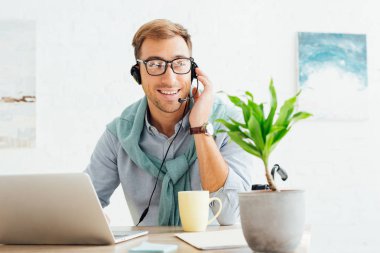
[(169, 76)]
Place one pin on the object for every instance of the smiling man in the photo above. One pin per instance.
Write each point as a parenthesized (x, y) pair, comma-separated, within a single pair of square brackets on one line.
[(164, 142)]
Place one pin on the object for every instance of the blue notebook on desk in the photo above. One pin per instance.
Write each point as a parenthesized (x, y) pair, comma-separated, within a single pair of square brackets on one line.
[(154, 248)]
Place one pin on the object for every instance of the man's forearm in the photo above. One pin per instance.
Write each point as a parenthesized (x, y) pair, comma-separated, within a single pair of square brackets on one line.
[(213, 170)]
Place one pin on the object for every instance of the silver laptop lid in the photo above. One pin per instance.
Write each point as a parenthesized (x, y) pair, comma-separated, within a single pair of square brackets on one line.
[(51, 209)]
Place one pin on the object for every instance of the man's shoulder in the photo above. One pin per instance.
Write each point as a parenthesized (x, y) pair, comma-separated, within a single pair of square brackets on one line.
[(223, 109), (125, 118), (129, 113)]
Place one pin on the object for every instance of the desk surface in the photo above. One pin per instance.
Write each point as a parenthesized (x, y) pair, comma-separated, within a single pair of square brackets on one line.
[(163, 235)]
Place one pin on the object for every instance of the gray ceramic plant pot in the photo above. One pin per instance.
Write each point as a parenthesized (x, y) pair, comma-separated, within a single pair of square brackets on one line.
[(272, 221)]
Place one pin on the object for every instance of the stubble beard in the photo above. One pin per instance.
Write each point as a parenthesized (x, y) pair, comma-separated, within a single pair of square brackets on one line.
[(167, 108)]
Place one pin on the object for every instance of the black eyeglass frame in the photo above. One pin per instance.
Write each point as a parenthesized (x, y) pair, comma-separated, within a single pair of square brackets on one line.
[(166, 65)]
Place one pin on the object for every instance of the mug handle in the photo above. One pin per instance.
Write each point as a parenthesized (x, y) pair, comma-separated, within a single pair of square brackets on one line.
[(219, 211)]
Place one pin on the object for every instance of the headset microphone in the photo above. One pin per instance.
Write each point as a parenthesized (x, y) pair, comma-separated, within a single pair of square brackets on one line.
[(182, 100)]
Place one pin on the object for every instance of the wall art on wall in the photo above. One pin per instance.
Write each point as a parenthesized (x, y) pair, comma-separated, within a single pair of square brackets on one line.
[(332, 73), (17, 84)]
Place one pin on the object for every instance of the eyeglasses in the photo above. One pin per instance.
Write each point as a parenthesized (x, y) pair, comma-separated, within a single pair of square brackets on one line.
[(157, 67)]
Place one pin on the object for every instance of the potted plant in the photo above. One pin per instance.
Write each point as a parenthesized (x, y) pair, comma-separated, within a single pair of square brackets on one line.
[(272, 220)]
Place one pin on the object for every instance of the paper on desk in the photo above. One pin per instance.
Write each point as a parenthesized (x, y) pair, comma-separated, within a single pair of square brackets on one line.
[(224, 239)]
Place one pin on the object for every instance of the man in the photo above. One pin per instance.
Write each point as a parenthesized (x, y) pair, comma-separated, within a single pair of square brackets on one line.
[(162, 144)]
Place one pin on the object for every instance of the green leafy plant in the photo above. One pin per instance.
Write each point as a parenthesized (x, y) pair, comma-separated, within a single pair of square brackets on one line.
[(260, 133)]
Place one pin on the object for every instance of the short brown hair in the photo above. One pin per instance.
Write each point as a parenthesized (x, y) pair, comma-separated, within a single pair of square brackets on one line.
[(159, 29)]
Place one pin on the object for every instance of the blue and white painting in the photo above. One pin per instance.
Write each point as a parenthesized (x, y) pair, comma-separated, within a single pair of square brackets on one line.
[(17, 84), (332, 72)]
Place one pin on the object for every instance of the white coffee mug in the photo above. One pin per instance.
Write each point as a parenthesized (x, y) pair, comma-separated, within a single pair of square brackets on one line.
[(194, 210)]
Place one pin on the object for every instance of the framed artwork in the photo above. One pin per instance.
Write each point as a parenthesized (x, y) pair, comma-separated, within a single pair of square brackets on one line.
[(17, 84), (332, 73)]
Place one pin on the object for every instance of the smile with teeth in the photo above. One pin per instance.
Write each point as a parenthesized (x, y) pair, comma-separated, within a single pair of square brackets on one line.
[(168, 92)]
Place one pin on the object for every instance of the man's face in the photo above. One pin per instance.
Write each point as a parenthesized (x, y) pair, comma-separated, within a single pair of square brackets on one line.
[(164, 91)]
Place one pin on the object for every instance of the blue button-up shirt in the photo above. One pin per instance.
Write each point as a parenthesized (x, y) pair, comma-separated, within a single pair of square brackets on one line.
[(110, 166)]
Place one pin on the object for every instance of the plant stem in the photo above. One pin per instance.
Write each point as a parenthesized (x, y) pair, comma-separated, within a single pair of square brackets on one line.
[(270, 180)]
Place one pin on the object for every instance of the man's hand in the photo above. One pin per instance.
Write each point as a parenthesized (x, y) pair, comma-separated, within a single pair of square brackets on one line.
[(213, 170), (203, 102)]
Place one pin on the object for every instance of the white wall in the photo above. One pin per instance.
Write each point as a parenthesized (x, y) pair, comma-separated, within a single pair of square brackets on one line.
[(83, 61)]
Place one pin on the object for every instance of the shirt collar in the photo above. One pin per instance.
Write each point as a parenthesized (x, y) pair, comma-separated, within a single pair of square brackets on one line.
[(153, 130)]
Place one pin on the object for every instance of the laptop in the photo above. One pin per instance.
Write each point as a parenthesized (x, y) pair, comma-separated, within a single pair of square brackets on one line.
[(54, 209)]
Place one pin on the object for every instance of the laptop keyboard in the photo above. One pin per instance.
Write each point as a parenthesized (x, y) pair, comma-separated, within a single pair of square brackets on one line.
[(122, 234), (119, 236)]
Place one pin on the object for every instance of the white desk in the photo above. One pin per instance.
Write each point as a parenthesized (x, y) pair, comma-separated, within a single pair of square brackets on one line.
[(163, 235)]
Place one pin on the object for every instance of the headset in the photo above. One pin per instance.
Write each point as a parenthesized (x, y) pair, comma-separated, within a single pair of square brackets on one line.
[(135, 72)]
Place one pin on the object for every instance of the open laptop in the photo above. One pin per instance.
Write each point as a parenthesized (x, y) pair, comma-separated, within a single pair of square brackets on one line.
[(54, 209)]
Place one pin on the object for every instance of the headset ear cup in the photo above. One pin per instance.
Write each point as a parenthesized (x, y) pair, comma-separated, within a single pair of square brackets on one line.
[(193, 73), (135, 72)]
